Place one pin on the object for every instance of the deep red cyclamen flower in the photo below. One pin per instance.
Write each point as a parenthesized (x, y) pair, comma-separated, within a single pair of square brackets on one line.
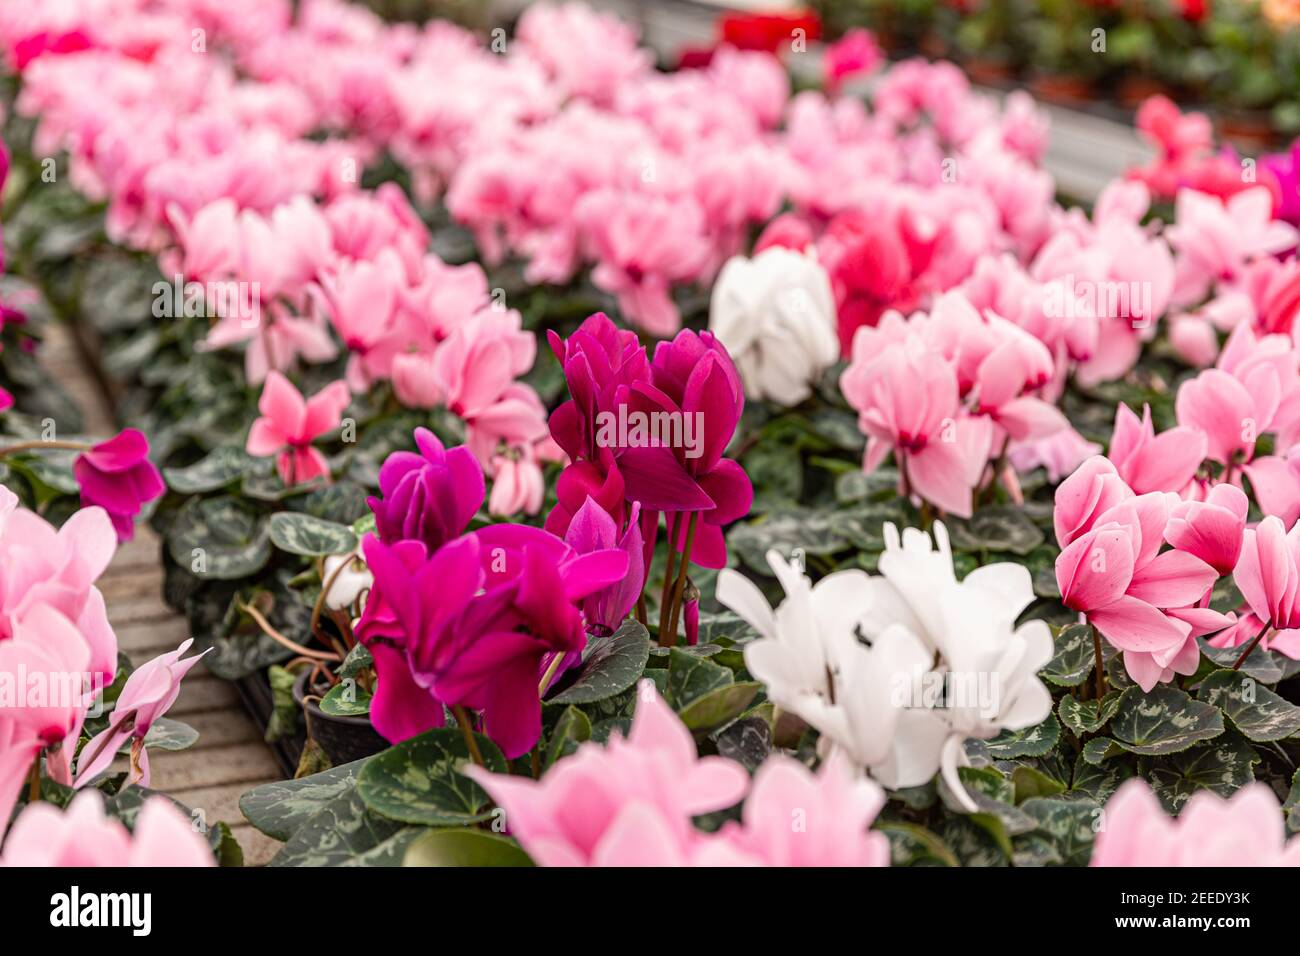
[(118, 476), (769, 32)]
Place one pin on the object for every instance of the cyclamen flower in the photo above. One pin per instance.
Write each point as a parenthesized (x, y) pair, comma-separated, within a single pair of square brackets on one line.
[(430, 496), (776, 316), (148, 693), (592, 529), (1212, 529), (83, 836), (907, 402), (1268, 573), (1245, 830), (868, 699), (289, 425), (856, 52), (118, 476), (1147, 462), (630, 803)]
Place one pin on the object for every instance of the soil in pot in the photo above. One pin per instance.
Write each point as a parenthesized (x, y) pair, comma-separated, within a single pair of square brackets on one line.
[(344, 739)]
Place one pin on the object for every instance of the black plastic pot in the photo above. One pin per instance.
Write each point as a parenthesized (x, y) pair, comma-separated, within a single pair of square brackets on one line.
[(343, 739)]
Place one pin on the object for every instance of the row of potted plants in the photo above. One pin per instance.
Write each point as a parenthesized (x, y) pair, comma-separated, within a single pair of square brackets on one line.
[(1240, 59)]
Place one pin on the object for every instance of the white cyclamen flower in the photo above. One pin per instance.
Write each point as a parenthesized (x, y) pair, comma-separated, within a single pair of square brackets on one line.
[(775, 313), (898, 671), (348, 581)]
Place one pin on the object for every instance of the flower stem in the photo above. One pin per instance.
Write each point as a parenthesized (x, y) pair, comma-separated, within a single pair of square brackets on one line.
[(279, 638), (1251, 646), (1097, 663), (34, 782), (550, 673), (640, 609), (679, 590), (462, 721), (40, 444), (664, 598)]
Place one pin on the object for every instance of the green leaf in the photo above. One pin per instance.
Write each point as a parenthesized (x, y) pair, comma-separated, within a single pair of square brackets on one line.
[(419, 780), (168, 734), (1087, 716), (815, 532), (691, 677), (1253, 709), (464, 848), (573, 728), (340, 831), (610, 665), (219, 538), (1030, 783), (1068, 823), (1030, 742), (278, 809), (1262, 665), (719, 707), (1074, 657), (748, 741), (346, 699), (1164, 721), (390, 852), (221, 467), (1098, 781), (1222, 767), (1289, 809), (359, 659), (309, 536), (995, 529), (912, 845)]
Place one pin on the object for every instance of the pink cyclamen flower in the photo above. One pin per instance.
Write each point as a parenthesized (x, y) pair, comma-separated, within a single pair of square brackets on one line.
[(1211, 529), (1244, 830), (1094, 488), (907, 401), (1268, 573), (1150, 462), (629, 803), (44, 648), (834, 806), (118, 476), (147, 695), (289, 425), (83, 835), (854, 53), (1117, 576)]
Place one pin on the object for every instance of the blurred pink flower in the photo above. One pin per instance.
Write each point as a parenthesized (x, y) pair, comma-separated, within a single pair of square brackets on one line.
[(289, 425)]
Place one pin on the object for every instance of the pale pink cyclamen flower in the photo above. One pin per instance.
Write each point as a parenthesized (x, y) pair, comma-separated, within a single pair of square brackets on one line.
[(628, 803), (147, 695), (1268, 573), (512, 441), (1215, 240), (907, 402), (82, 835), (1244, 830), (1150, 462), (631, 803), (1212, 529), (289, 425)]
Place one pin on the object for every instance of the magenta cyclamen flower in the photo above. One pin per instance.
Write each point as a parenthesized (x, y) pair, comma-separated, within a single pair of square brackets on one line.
[(695, 382), (289, 425), (118, 476), (592, 529), (430, 496), (475, 625)]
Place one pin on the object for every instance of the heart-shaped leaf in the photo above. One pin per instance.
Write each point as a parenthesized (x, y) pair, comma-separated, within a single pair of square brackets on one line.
[(310, 536), (610, 666), (419, 780), (1074, 657), (1087, 716), (1253, 709), (1164, 721)]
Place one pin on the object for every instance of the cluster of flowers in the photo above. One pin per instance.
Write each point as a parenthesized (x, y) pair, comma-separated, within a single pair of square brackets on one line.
[(473, 620), (58, 653), (219, 176)]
